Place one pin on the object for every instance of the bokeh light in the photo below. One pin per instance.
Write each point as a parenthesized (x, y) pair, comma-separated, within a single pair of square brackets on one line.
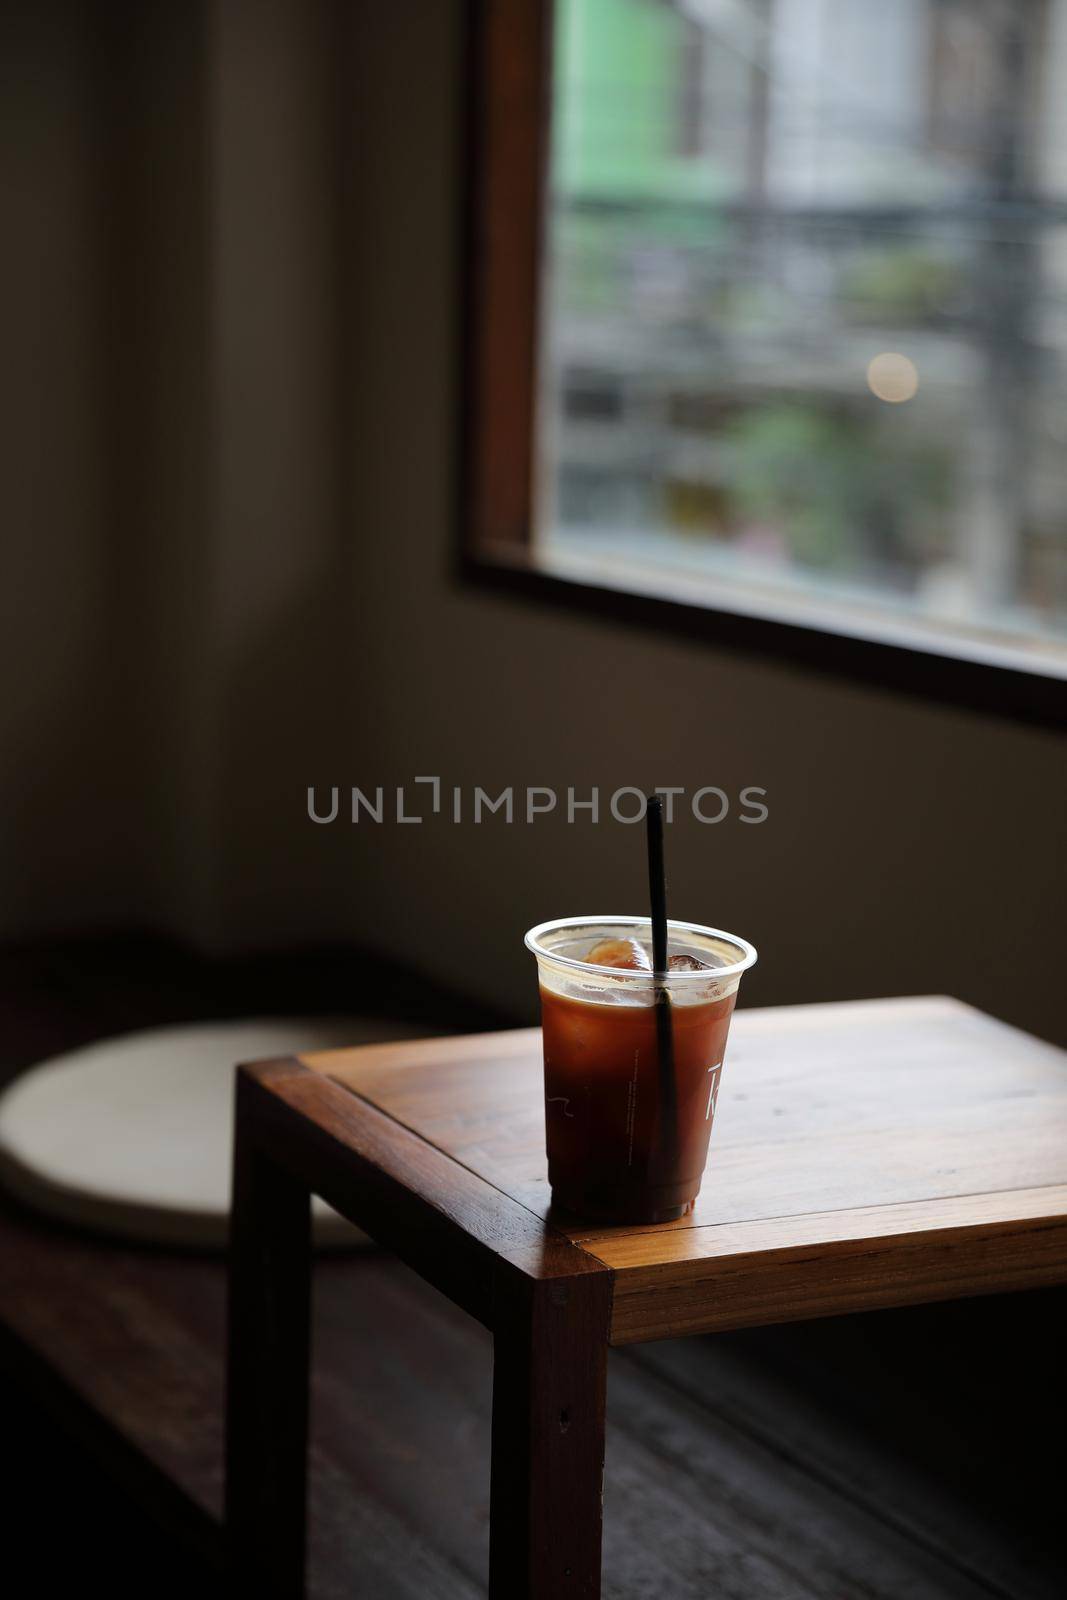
[(892, 377)]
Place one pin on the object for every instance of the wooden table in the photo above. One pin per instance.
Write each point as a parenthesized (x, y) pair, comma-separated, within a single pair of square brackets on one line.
[(865, 1155)]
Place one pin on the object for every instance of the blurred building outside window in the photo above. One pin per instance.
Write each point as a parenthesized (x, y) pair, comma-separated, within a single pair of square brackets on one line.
[(804, 326)]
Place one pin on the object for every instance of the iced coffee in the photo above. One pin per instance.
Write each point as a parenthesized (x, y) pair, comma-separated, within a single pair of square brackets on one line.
[(628, 1117)]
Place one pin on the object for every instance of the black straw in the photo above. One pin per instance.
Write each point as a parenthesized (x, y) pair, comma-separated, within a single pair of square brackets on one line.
[(657, 889)]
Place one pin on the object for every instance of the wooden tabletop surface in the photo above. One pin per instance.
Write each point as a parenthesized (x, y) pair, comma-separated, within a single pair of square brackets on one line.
[(865, 1154)]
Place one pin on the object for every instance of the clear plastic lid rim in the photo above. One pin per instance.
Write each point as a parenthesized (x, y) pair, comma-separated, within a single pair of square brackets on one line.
[(734, 969)]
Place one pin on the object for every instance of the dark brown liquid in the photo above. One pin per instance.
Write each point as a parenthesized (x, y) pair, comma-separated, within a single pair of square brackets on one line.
[(611, 1152)]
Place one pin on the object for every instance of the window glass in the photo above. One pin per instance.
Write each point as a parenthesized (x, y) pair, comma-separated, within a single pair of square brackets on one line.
[(804, 332)]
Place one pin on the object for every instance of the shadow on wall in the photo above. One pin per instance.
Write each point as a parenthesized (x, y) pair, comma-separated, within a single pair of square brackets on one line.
[(180, 570), (63, 744)]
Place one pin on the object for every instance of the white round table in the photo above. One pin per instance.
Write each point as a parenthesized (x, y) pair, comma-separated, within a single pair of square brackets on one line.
[(132, 1136)]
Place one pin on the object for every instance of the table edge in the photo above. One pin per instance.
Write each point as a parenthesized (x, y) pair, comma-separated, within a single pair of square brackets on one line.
[(454, 1227)]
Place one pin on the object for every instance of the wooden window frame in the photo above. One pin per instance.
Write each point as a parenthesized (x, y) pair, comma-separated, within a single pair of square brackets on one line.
[(506, 100)]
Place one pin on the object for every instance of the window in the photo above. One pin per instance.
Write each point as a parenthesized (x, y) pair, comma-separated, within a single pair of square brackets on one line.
[(801, 343)]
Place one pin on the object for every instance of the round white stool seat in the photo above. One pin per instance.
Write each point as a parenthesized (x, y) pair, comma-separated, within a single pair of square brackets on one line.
[(133, 1136)]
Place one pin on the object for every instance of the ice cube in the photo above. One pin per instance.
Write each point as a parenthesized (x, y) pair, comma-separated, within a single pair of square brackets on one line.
[(625, 953), (686, 963)]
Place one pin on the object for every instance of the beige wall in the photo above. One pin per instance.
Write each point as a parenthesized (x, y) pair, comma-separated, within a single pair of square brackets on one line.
[(311, 631)]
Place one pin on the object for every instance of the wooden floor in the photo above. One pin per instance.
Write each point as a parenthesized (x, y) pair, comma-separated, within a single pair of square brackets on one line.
[(887, 1455), (796, 1462)]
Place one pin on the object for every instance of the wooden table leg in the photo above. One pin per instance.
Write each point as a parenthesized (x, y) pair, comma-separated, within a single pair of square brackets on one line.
[(549, 1389), (267, 1372)]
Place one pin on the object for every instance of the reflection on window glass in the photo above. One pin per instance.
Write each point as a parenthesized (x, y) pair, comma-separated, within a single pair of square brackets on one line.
[(805, 324)]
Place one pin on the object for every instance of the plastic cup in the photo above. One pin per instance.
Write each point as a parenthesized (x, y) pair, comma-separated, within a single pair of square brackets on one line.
[(615, 1150)]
